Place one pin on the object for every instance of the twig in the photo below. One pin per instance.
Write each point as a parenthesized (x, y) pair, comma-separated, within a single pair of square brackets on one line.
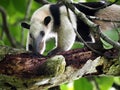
[(5, 27), (91, 8), (81, 15), (86, 43), (28, 9), (107, 39), (85, 20), (102, 19), (92, 25), (106, 20)]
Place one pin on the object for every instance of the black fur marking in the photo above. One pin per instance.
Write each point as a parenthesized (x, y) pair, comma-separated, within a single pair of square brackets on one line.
[(31, 35), (25, 25), (54, 9), (83, 30), (47, 20), (87, 11)]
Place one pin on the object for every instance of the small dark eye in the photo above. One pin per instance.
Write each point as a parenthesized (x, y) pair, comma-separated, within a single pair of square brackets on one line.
[(47, 20), (42, 33)]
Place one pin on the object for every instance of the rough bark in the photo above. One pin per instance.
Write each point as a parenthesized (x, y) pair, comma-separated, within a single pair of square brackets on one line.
[(25, 70)]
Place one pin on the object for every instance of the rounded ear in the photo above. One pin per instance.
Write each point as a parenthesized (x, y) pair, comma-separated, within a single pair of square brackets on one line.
[(47, 20), (25, 25)]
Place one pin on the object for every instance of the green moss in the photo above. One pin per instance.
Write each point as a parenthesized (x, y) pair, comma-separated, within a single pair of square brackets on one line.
[(54, 66), (115, 68), (8, 50), (8, 82)]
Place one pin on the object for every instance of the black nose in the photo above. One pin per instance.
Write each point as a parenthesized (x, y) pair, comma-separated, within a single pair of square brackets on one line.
[(30, 47)]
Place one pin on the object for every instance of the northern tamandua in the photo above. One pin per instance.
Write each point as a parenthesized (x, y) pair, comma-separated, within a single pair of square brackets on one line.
[(51, 20)]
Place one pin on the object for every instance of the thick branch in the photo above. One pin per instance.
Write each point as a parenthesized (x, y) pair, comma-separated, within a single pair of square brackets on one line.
[(31, 71), (79, 55)]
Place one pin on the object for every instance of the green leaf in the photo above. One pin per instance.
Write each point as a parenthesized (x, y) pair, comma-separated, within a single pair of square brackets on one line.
[(113, 35), (49, 46), (77, 45), (117, 80), (82, 84), (63, 87), (106, 45), (68, 86), (105, 83)]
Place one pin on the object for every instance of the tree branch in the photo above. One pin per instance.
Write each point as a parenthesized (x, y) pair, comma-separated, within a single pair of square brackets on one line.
[(102, 19), (29, 71), (92, 25), (5, 27), (81, 15)]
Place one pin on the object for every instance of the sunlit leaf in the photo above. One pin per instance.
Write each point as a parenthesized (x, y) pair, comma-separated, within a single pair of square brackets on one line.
[(105, 83), (117, 80), (82, 84), (68, 86), (77, 45)]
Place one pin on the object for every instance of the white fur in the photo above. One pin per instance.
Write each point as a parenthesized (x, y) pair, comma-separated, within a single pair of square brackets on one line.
[(37, 25), (64, 35)]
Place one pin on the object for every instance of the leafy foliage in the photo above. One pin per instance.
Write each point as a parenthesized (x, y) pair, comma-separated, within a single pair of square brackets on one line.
[(113, 34), (83, 83)]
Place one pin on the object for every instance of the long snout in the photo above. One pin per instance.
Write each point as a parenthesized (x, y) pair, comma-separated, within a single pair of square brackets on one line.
[(38, 45)]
